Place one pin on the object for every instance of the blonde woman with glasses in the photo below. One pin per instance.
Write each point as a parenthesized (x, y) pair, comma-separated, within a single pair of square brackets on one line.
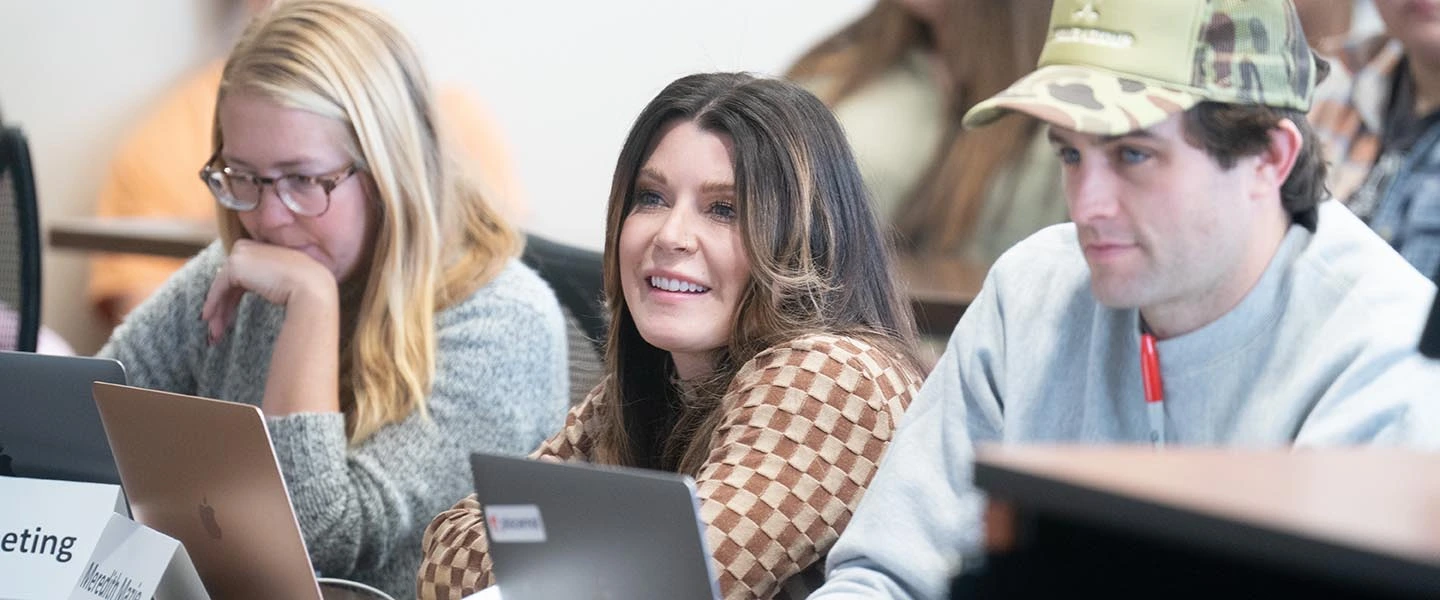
[(363, 294)]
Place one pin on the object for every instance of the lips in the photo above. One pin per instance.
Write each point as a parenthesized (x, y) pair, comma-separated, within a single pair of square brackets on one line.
[(670, 284), (1103, 251)]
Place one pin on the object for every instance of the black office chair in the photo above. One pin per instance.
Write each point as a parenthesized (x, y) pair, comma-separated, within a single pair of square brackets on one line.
[(575, 275), (19, 245)]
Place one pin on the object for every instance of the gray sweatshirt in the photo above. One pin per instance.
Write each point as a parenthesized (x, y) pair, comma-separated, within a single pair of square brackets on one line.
[(1322, 351), (500, 386)]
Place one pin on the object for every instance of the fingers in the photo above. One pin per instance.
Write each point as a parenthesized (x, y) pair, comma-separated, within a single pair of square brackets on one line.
[(221, 300), (273, 273), (213, 294), (213, 311)]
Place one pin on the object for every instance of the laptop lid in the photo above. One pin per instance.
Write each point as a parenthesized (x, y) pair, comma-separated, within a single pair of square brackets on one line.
[(204, 472), (580, 531), (49, 428)]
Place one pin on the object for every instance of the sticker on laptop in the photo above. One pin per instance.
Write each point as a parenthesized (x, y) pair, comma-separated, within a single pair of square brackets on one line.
[(514, 523)]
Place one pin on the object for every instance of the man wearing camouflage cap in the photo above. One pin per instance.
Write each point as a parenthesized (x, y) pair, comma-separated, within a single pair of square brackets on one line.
[(1195, 192)]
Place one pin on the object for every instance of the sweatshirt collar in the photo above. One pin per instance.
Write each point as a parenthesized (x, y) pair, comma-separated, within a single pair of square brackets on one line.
[(1256, 314)]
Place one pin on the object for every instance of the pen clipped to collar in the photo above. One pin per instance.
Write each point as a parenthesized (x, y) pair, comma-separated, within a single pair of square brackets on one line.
[(1154, 388)]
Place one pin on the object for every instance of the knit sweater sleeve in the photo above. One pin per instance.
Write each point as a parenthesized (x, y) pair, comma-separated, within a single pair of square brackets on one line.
[(455, 559), (804, 427), (499, 386)]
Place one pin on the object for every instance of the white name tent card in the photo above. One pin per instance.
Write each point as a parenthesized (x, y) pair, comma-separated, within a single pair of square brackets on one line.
[(134, 562), (490, 593), (48, 529)]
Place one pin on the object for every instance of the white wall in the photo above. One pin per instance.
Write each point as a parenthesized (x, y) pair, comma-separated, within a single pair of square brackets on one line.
[(564, 79)]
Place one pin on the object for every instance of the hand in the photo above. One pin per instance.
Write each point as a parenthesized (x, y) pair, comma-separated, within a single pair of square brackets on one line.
[(277, 274)]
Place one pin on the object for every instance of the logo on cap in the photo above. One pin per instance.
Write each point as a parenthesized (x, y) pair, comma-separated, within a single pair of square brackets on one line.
[(1087, 12)]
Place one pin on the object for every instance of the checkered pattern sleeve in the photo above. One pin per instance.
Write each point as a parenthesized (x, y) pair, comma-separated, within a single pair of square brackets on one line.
[(455, 558), (804, 426)]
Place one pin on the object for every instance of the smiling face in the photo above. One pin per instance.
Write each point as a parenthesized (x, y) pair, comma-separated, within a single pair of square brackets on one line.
[(683, 267), (266, 139), (1162, 226)]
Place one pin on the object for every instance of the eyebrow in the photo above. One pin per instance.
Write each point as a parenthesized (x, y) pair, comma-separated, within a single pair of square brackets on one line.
[(709, 188), (648, 173), (1104, 139), (718, 188), (304, 161)]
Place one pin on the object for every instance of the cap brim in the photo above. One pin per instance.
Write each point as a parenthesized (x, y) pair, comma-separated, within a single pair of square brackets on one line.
[(1085, 99)]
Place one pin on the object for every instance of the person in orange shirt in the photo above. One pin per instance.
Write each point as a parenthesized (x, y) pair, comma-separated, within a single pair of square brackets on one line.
[(152, 175)]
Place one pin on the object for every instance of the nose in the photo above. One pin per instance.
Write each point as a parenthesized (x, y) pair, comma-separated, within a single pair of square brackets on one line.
[(1091, 192), (272, 210), (676, 233)]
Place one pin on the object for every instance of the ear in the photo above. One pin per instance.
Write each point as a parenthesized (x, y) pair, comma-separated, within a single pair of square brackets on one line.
[(1274, 164)]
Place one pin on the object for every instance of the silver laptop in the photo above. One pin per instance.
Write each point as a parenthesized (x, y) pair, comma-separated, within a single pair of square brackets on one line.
[(48, 425), (580, 531), (204, 472)]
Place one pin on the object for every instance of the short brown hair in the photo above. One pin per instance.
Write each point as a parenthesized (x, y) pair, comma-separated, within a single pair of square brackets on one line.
[(1229, 132)]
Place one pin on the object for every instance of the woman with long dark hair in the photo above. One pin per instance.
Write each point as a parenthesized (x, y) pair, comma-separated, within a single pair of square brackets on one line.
[(757, 343)]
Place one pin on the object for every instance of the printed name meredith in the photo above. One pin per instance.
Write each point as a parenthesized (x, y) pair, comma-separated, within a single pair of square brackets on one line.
[(112, 586)]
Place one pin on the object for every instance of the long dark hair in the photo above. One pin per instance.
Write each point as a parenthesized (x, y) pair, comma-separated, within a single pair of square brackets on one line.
[(819, 261)]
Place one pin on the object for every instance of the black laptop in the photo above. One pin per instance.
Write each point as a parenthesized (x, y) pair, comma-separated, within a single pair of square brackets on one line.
[(49, 426)]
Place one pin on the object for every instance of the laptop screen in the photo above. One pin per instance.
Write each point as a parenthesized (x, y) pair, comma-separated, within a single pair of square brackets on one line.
[(580, 531), (49, 427)]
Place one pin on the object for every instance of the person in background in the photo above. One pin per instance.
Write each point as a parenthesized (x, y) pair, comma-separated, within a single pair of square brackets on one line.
[(1323, 20), (899, 78), (363, 293), (152, 175), (751, 303), (1199, 232), (1378, 117)]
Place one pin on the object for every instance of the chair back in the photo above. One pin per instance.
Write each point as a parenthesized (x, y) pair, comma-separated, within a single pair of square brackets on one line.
[(575, 276), (19, 245)]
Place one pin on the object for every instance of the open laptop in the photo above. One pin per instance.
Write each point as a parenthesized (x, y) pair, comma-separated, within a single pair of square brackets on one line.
[(48, 425), (579, 531), (204, 472)]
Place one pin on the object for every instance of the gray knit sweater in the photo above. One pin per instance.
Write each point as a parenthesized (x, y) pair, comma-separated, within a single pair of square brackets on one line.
[(500, 386)]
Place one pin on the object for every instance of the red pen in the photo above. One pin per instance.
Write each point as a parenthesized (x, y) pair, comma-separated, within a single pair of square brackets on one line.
[(1154, 388)]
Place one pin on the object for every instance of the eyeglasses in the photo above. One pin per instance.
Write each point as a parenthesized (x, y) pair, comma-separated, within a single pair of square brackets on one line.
[(305, 195)]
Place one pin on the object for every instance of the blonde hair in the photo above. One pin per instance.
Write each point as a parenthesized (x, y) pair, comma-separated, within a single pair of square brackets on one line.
[(436, 240)]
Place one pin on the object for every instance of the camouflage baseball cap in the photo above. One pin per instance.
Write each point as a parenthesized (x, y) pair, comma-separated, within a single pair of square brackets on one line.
[(1114, 66)]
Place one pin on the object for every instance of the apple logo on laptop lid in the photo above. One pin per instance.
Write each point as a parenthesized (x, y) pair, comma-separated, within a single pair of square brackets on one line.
[(207, 518)]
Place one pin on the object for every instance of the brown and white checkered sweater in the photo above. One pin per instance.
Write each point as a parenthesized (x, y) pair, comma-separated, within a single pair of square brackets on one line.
[(805, 424)]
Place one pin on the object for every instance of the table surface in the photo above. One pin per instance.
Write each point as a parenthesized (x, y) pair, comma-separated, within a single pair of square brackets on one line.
[(1369, 512), (940, 289), (180, 238)]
